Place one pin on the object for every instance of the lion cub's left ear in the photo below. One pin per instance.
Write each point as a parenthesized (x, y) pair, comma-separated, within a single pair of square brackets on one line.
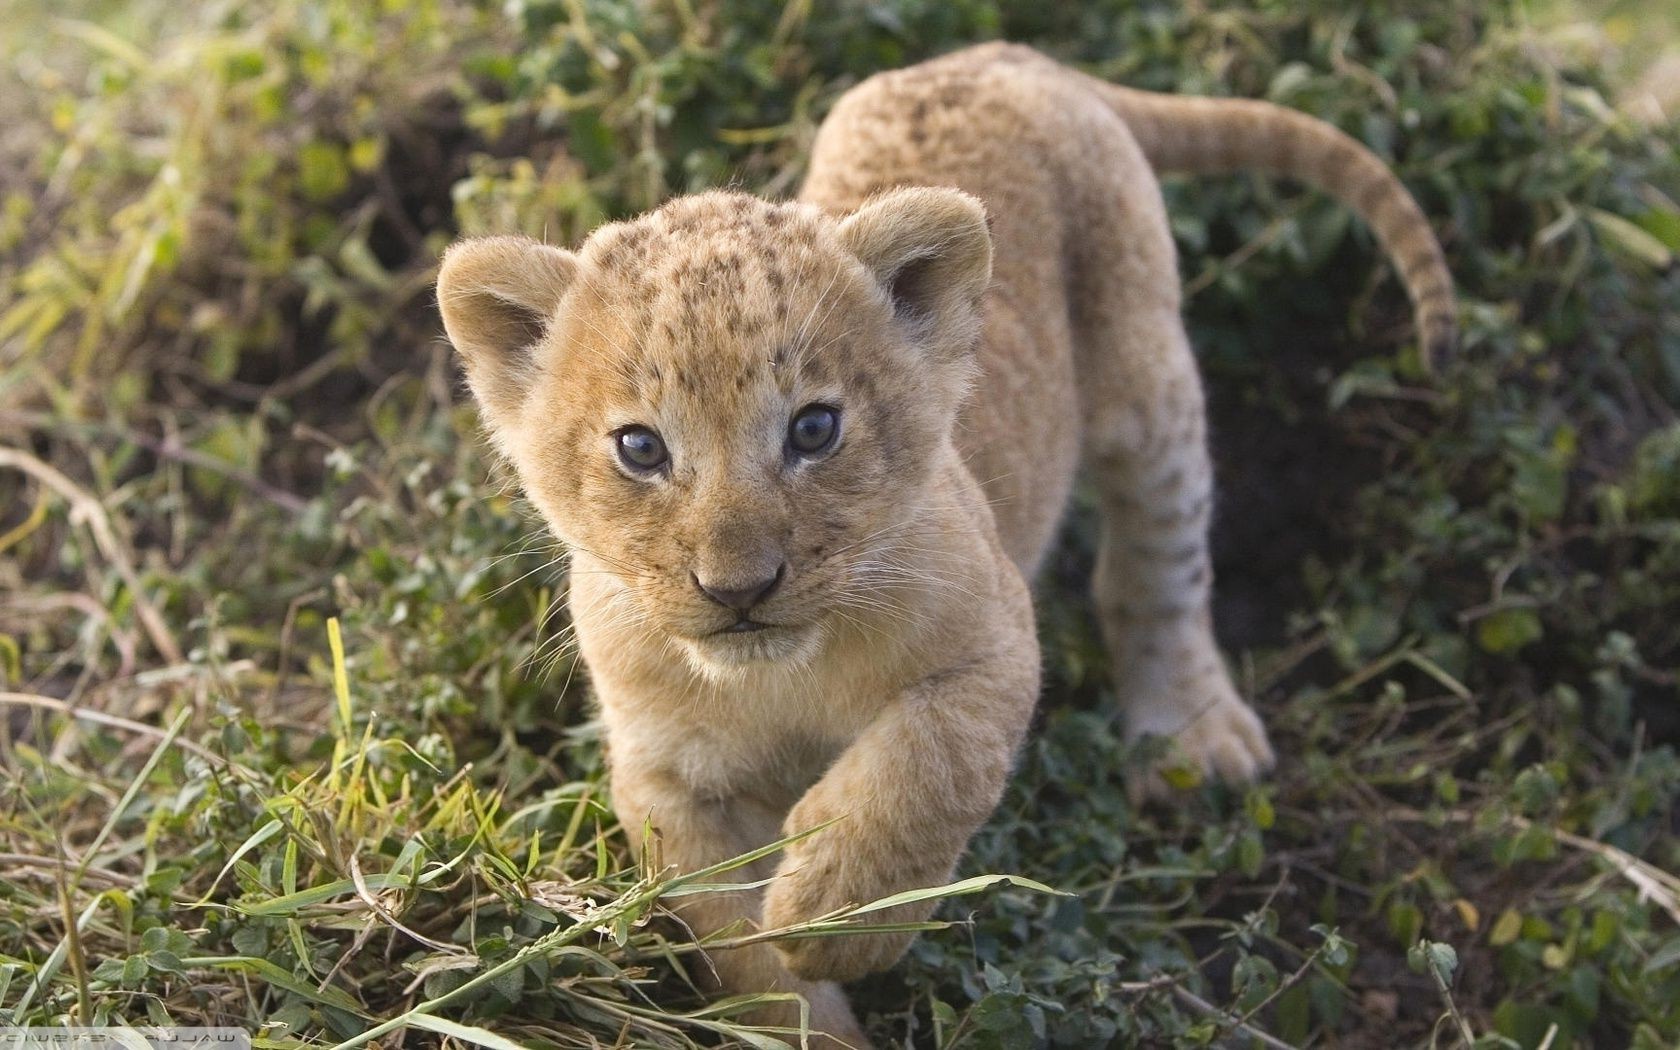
[(931, 251), (498, 296)]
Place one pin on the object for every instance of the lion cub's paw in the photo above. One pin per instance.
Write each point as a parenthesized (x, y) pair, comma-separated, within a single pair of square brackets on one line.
[(1223, 739), (841, 957), (804, 894)]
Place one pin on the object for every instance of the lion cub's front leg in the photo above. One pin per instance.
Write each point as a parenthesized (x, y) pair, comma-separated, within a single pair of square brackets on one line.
[(904, 798), (692, 833)]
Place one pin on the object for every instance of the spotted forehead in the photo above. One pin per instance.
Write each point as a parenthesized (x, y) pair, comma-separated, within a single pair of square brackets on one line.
[(704, 266), (721, 288)]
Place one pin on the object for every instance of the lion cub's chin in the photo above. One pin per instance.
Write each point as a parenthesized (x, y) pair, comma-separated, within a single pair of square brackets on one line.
[(722, 657)]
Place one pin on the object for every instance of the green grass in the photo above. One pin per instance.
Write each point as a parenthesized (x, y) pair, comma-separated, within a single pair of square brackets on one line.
[(227, 420)]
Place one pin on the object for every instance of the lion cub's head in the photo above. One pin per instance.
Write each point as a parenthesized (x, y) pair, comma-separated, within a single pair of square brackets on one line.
[(733, 405)]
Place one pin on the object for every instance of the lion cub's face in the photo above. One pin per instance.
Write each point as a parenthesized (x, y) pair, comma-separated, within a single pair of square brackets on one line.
[(732, 405)]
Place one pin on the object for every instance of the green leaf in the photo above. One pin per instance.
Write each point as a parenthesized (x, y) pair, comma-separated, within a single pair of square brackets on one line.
[(1505, 928), (1630, 239), (323, 172), (1405, 919), (1534, 790), (1664, 225), (292, 903), (1252, 980), (508, 985), (268, 971), (1663, 958), (1433, 957), (272, 828), (1508, 630)]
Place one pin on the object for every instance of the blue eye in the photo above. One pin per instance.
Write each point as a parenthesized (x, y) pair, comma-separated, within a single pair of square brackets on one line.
[(813, 430), (641, 449)]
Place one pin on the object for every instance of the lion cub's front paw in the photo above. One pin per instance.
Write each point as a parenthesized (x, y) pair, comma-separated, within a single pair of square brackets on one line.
[(1220, 737), (802, 892), (841, 957)]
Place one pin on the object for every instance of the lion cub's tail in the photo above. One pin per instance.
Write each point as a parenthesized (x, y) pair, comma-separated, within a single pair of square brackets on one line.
[(1186, 134)]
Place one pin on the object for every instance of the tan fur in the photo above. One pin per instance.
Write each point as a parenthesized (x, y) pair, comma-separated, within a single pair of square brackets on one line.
[(893, 691), (1223, 134)]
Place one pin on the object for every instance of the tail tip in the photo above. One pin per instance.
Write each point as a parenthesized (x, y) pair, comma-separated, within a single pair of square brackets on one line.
[(1438, 340)]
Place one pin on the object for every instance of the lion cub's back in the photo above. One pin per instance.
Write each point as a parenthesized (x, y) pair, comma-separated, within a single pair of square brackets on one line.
[(1046, 155)]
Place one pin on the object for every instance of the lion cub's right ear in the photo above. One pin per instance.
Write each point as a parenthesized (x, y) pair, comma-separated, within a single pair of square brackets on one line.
[(498, 296)]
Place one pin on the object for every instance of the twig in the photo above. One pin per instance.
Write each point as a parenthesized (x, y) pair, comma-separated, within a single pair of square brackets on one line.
[(29, 860), (171, 449), (1154, 984), (118, 722), (1252, 247), (1653, 883), (1349, 69), (88, 509), (1202, 1006), (1459, 1022), (88, 606), (380, 911), (1283, 986)]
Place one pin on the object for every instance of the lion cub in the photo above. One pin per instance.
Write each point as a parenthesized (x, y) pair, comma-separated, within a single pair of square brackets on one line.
[(807, 455)]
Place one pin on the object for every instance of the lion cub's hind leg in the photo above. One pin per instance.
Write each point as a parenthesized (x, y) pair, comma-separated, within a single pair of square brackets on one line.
[(1146, 450)]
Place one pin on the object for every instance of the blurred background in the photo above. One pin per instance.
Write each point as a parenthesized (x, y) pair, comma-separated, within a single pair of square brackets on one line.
[(227, 414)]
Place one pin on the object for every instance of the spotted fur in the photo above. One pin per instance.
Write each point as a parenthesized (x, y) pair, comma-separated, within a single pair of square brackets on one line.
[(978, 353)]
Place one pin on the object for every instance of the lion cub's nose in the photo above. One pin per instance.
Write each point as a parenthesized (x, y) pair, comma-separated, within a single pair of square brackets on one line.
[(741, 598)]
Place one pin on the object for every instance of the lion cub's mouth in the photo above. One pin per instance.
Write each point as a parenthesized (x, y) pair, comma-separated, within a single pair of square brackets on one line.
[(749, 643)]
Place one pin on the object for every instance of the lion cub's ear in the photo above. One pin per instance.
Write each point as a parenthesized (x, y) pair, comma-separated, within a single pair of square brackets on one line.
[(931, 251), (497, 296)]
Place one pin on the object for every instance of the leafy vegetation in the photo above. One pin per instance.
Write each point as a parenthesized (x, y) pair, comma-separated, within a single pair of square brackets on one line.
[(228, 421)]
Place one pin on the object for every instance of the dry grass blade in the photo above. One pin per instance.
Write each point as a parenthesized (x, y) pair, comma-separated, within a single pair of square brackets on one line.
[(49, 703), (84, 507), (1660, 887)]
